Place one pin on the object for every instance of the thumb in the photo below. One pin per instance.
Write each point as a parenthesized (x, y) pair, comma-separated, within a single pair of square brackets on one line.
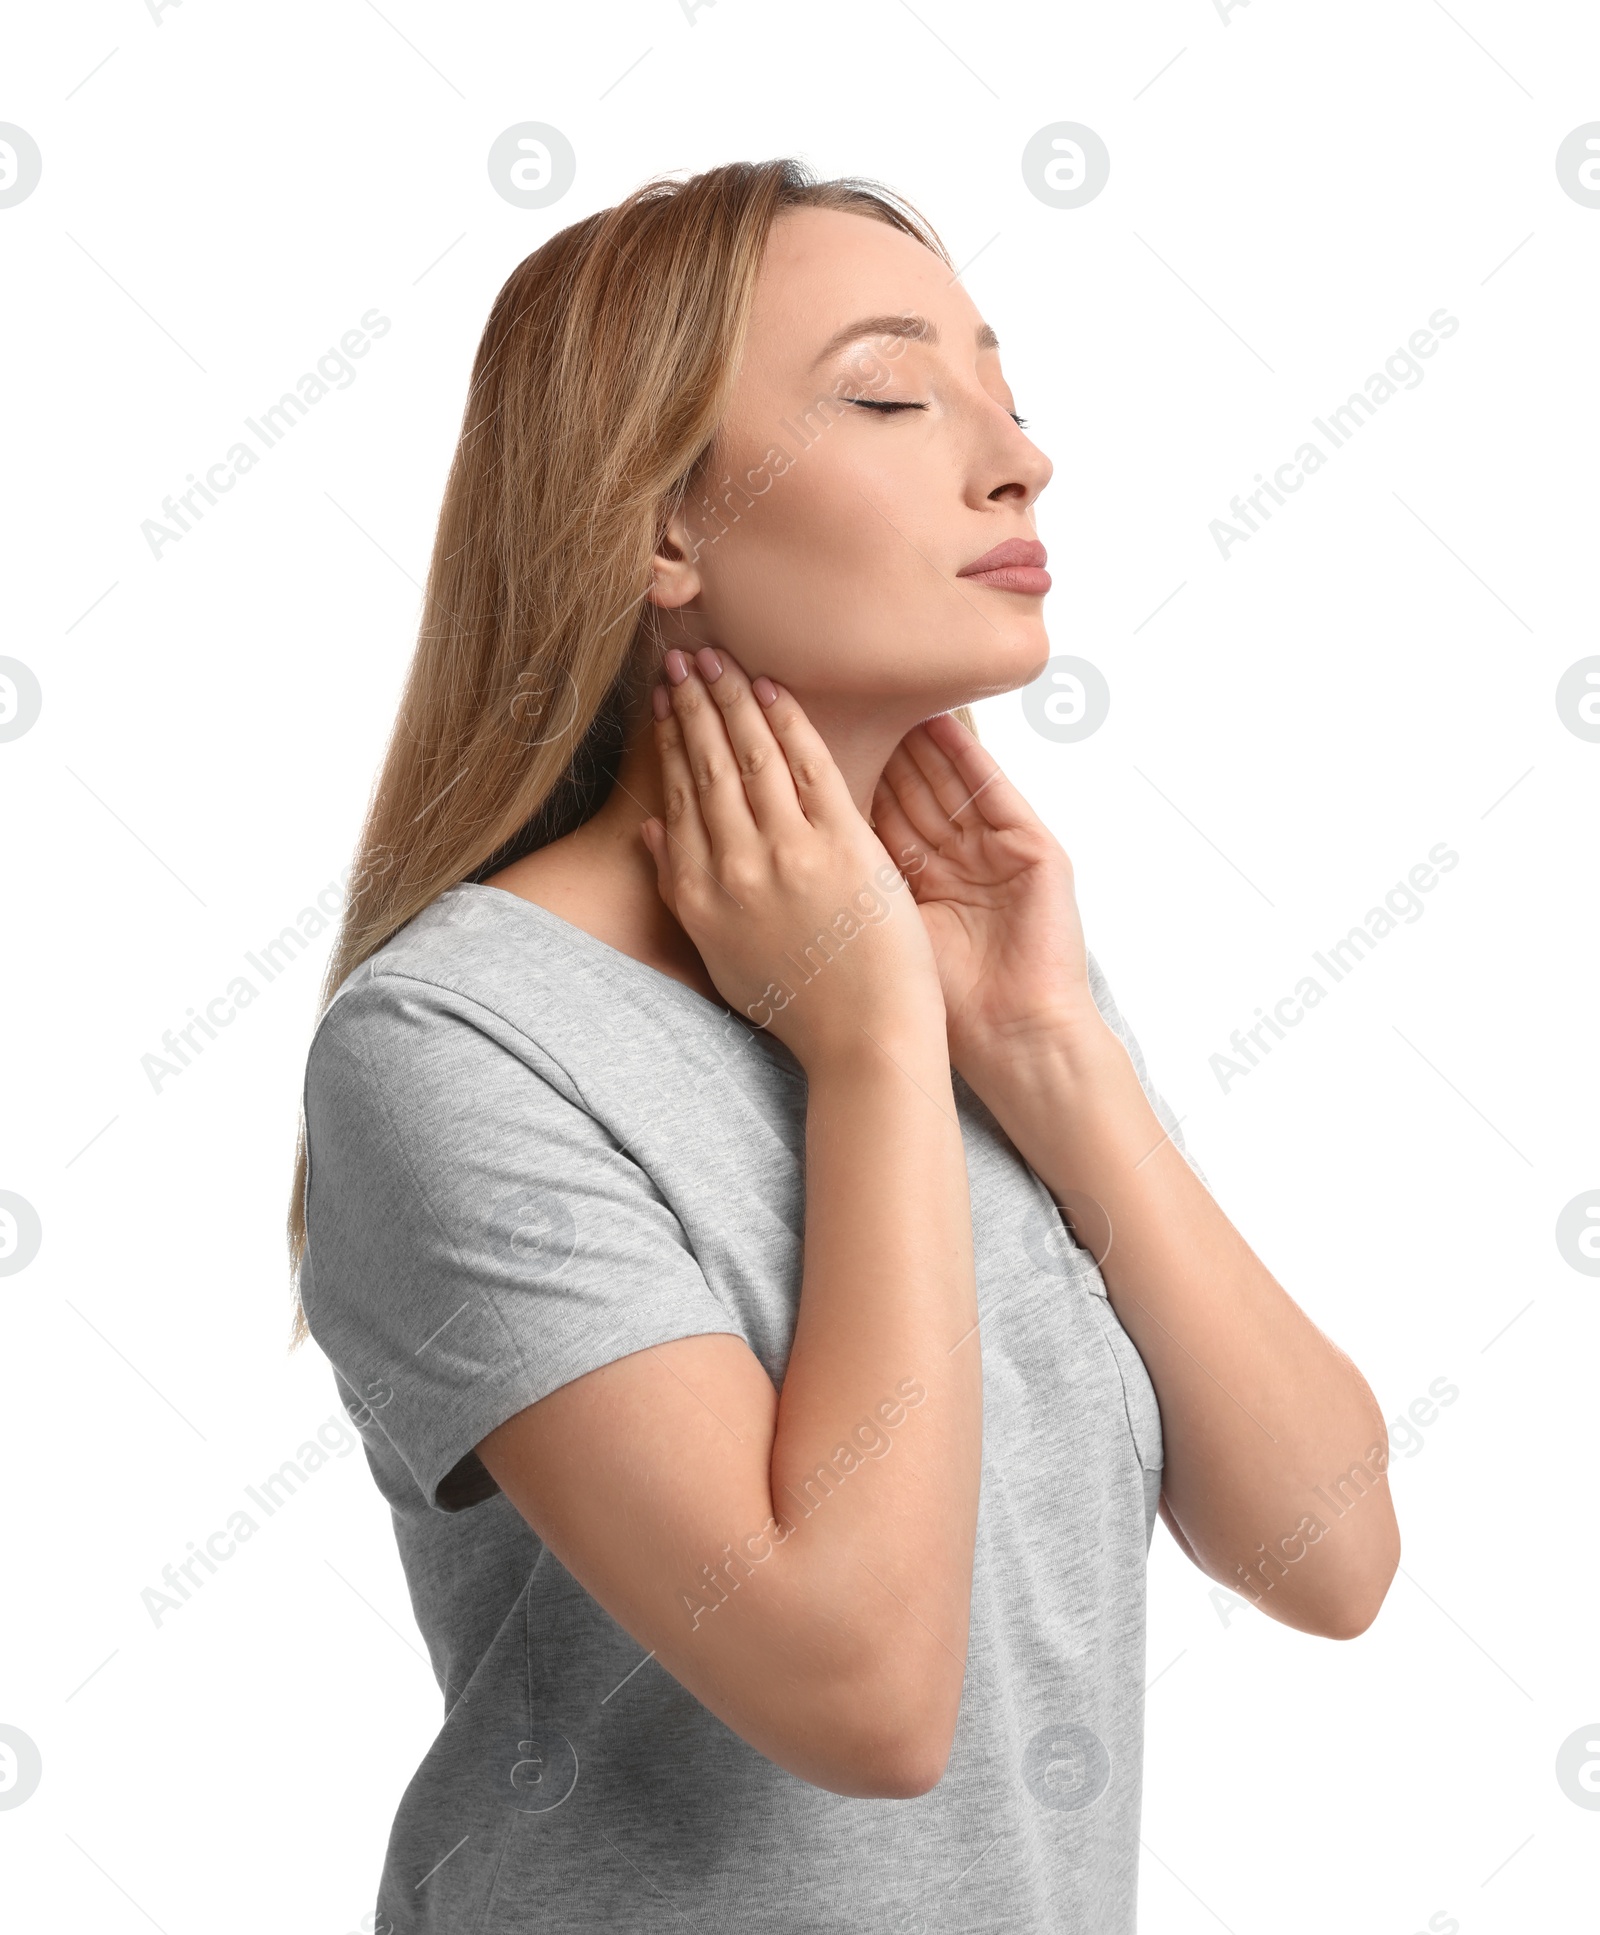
[(654, 835)]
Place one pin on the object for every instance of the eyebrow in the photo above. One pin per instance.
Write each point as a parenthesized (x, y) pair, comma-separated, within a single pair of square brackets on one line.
[(911, 328)]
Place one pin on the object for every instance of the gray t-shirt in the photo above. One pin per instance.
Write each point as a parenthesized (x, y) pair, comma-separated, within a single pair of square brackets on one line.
[(530, 1155)]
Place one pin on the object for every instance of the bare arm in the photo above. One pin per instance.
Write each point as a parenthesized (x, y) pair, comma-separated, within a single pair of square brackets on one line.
[(801, 1563), (1275, 1446), (1276, 1449)]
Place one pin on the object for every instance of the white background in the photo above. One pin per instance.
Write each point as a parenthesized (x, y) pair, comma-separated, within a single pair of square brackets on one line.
[(1293, 192)]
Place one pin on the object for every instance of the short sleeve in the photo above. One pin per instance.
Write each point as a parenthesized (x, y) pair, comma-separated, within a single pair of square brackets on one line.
[(475, 1238), (1105, 1001)]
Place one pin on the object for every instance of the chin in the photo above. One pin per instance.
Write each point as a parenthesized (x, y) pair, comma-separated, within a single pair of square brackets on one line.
[(1005, 663)]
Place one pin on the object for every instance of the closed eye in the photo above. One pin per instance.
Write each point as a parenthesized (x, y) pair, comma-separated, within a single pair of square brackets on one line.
[(880, 403)]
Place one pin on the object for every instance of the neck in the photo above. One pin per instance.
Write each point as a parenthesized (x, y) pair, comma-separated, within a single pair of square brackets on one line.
[(607, 860), (860, 744)]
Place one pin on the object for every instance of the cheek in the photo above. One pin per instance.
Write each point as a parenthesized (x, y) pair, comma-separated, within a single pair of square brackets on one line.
[(813, 572), (817, 514), (837, 576)]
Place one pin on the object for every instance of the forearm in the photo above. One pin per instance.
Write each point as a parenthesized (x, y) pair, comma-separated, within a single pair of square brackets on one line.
[(877, 1449), (1263, 1417)]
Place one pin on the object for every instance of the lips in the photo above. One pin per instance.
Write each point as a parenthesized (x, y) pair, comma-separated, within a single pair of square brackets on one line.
[(1016, 565)]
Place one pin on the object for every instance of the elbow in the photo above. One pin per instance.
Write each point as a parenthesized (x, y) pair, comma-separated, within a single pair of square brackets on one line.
[(1350, 1620), (914, 1707), (867, 1709), (1343, 1613), (913, 1762), (897, 1731), (900, 1764), (1353, 1612), (916, 1780)]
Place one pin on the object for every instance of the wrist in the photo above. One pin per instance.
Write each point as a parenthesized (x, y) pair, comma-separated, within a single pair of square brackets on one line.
[(1076, 1061), (1075, 1109), (869, 1043)]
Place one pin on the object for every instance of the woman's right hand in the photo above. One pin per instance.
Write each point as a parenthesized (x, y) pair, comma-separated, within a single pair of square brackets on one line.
[(804, 923)]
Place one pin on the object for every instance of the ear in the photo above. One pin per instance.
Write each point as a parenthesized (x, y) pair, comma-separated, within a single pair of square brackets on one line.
[(675, 575)]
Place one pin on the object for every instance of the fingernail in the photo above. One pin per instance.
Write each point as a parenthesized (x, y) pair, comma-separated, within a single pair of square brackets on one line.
[(764, 689), (660, 702), (677, 666), (710, 665)]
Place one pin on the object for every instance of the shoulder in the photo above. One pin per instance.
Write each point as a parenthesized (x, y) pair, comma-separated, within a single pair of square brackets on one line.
[(459, 988)]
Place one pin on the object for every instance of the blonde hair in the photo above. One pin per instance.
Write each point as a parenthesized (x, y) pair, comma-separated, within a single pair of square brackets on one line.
[(604, 370)]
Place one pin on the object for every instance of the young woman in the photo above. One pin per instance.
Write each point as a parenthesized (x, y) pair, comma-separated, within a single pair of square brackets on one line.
[(714, 1058)]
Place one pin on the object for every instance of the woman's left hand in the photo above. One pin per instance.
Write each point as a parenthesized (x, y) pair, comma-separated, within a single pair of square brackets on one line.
[(995, 890)]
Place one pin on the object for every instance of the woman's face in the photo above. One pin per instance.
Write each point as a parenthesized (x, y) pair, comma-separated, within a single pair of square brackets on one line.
[(858, 475)]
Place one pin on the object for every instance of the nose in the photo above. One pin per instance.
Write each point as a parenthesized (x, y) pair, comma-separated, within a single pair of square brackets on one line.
[(1013, 469)]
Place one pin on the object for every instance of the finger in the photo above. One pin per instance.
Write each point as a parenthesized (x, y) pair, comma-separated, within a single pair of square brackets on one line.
[(817, 780), (898, 836), (967, 778), (686, 842), (710, 759), (654, 835), (768, 783), (918, 801)]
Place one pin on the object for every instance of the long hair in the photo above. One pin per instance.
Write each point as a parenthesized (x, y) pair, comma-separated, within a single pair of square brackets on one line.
[(604, 370)]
